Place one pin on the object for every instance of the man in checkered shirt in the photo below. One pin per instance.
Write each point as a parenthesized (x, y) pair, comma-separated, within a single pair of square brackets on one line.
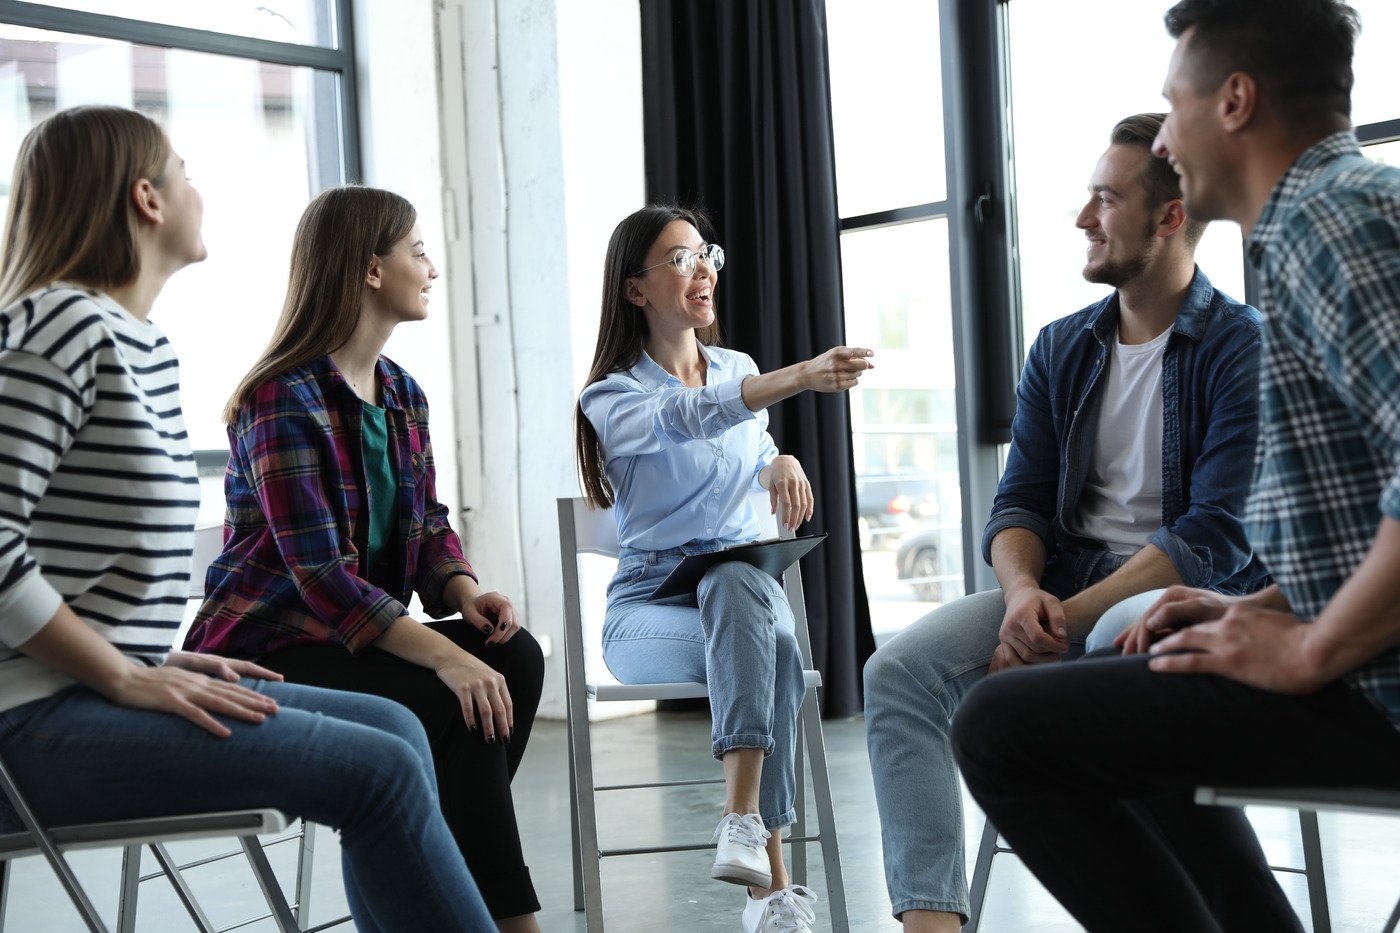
[(1089, 768)]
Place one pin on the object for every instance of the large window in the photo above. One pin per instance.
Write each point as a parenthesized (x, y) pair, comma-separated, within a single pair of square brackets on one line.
[(260, 111), (1114, 70), (892, 188), (1057, 146)]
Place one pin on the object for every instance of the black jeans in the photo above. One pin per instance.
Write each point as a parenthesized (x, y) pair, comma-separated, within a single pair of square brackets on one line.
[(473, 776), (1088, 768)]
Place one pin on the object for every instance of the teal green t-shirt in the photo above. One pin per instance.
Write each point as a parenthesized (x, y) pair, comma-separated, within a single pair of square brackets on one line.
[(382, 488)]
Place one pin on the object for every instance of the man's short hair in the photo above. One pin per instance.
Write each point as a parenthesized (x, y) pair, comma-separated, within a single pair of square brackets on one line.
[(1159, 179), (1299, 51)]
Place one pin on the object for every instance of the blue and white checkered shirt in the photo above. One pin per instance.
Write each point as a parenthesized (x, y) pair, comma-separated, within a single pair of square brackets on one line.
[(1327, 248)]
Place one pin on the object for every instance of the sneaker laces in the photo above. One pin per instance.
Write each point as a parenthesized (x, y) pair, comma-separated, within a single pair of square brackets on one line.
[(790, 910), (743, 828)]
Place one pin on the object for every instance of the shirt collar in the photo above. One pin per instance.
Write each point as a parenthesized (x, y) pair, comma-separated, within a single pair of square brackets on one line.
[(1190, 321), (1313, 160), (650, 374), (325, 369)]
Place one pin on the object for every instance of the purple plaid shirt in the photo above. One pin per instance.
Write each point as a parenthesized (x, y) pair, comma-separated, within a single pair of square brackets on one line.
[(296, 531)]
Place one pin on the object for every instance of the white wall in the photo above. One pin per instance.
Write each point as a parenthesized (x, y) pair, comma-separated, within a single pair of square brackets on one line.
[(395, 46), (541, 155)]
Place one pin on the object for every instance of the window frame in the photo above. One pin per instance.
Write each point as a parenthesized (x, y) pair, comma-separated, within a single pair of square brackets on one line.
[(335, 164)]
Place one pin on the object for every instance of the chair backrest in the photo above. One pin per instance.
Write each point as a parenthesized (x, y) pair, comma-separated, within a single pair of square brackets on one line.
[(208, 545), (585, 530)]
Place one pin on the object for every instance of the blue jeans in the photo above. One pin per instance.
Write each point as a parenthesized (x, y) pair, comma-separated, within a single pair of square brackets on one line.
[(739, 641), (1118, 618), (359, 764), (913, 685)]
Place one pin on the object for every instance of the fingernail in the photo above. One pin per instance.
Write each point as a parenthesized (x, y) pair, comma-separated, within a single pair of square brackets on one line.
[(490, 740), (471, 728), (488, 628)]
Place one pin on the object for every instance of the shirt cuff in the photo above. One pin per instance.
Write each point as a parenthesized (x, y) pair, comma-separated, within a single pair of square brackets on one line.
[(730, 396), (1014, 518), (1193, 565), (26, 606)]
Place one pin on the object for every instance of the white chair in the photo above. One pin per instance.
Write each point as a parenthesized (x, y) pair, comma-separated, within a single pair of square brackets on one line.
[(1309, 800), (132, 835), (991, 846), (583, 530)]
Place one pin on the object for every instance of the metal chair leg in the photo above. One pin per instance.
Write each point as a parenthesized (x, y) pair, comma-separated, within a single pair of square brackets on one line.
[(1394, 920), (585, 807), (1312, 868), (826, 813), (306, 860), (799, 824), (577, 856), (981, 874), (182, 888), (55, 858), (267, 882), (130, 888)]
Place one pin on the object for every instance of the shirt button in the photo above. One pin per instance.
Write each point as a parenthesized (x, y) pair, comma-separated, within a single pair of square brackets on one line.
[(709, 531)]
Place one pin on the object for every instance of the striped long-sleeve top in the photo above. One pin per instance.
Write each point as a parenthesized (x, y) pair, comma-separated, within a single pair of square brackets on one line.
[(98, 488)]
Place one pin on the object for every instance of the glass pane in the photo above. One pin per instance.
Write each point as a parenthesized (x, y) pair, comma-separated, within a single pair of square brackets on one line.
[(1376, 66), (219, 313), (1388, 153), (886, 104), (904, 419), (305, 22), (1052, 179)]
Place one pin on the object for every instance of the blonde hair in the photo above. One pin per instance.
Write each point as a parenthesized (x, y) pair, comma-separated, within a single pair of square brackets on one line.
[(68, 220), (338, 233)]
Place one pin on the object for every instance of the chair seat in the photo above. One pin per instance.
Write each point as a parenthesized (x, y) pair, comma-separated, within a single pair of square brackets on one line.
[(140, 832), (679, 691), (1345, 799)]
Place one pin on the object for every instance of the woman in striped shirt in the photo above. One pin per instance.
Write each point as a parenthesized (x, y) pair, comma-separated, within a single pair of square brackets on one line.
[(98, 493), (333, 524)]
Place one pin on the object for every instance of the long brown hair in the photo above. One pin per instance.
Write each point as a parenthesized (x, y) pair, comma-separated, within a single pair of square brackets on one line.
[(622, 328), (338, 233), (71, 214)]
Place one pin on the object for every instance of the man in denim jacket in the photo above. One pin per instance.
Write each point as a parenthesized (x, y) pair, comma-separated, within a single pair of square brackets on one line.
[(1128, 470)]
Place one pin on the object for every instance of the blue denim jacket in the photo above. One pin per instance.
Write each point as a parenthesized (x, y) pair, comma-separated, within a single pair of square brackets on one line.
[(1210, 405)]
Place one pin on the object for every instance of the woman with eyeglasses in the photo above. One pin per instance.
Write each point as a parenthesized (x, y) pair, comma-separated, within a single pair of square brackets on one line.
[(333, 523), (671, 431), (99, 719)]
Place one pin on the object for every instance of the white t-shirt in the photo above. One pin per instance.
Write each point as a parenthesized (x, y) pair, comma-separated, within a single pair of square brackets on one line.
[(1121, 503)]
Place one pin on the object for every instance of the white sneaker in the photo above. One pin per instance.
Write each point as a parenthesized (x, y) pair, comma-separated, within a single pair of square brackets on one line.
[(741, 856), (786, 910)]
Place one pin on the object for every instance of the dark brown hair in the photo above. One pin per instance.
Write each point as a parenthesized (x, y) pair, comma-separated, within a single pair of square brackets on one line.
[(1159, 179), (622, 328), (1299, 51), (339, 231)]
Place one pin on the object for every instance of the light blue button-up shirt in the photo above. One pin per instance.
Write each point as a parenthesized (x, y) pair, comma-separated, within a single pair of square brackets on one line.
[(682, 461)]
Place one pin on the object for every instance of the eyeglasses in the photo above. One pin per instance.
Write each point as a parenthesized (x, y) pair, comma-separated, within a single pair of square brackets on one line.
[(684, 260)]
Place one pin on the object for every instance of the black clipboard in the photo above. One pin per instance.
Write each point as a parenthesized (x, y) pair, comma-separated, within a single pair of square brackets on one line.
[(772, 556)]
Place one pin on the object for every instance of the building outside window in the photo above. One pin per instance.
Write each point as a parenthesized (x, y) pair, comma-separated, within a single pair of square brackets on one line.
[(257, 96)]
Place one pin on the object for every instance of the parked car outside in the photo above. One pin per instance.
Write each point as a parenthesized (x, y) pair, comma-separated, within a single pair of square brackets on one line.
[(931, 560), (890, 504)]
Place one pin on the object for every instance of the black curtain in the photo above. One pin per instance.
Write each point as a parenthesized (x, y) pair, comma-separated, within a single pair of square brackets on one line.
[(737, 121)]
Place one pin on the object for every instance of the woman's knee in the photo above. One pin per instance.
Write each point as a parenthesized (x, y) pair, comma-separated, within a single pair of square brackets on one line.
[(734, 577)]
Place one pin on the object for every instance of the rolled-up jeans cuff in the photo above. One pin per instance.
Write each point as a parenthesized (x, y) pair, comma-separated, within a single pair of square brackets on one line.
[(787, 818), (726, 743), (959, 907)]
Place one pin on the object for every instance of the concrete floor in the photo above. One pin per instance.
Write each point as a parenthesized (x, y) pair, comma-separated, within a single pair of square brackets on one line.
[(673, 892)]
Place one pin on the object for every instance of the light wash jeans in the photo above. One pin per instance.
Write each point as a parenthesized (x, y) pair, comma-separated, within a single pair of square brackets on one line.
[(739, 641), (357, 763), (913, 686)]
